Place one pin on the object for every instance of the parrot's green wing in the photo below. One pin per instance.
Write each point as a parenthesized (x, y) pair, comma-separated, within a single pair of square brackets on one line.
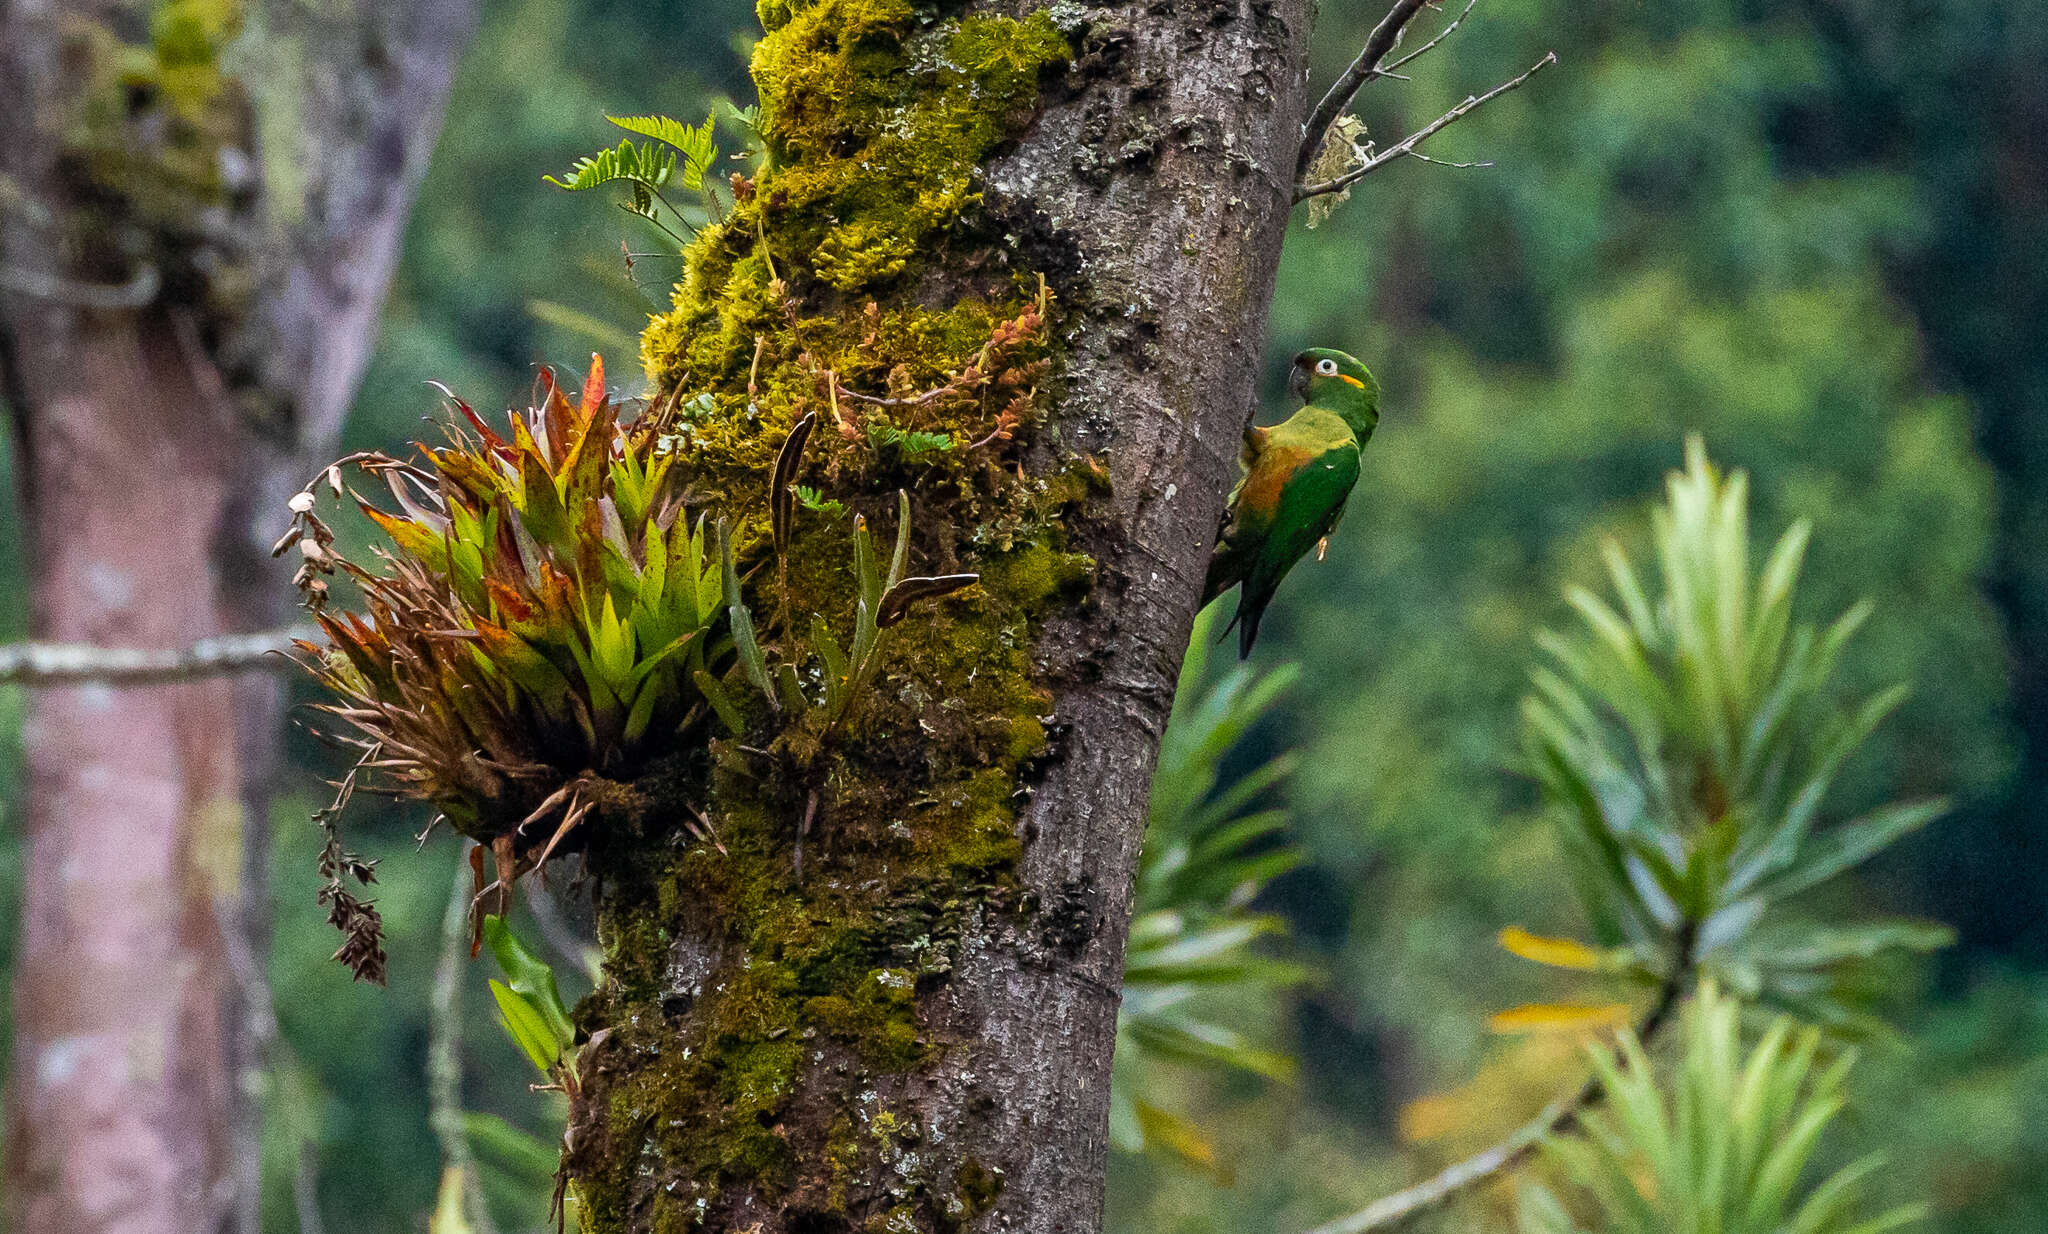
[(1297, 477), (1309, 502)]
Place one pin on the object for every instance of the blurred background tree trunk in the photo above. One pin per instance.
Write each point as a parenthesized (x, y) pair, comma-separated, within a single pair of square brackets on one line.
[(200, 209)]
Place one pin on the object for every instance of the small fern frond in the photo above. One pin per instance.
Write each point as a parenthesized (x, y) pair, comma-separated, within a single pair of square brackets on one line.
[(696, 144), (643, 165)]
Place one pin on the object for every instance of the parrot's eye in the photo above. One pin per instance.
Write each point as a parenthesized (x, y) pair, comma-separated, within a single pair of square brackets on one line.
[(1326, 367)]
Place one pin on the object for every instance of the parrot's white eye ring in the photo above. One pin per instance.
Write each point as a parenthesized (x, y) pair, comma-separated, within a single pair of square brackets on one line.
[(1326, 367)]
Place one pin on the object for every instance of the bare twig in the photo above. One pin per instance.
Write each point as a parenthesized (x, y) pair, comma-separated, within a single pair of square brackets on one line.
[(444, 1046), (1387, 70), (1407, 145), (61, 664), (1377, 44), (138, 292), (1396, 1210), (1420, 157)]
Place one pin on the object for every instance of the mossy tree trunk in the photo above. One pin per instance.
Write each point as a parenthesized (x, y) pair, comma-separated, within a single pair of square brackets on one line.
[(200, 206), (883, 996)]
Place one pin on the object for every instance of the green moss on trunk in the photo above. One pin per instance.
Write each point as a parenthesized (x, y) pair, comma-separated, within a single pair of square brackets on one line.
[(764, 982)]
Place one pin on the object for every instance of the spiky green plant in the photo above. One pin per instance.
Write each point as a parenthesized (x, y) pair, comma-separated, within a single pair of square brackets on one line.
[(542, 613), (846, 673), (1721, 1147), (530, 1006), (1686, 741), (1194, 933)]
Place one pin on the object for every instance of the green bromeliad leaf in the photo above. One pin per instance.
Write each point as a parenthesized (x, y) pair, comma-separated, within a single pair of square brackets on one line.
[(523, 1023), (531, 980)]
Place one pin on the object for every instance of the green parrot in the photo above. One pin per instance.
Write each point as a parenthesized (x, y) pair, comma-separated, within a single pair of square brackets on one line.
[(1297, 476)]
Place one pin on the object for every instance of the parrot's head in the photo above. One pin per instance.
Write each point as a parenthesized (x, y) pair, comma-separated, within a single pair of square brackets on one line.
[(1334, 379)]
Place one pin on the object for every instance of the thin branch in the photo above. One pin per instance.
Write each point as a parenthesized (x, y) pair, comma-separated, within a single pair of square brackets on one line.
[(663, 199), (916, 400), (138, 292), (1345, 88), (1408, 144), (1398, 1209), (665, 229), (444, 1046), (61, 664), (1420, 157), (1387, 70)]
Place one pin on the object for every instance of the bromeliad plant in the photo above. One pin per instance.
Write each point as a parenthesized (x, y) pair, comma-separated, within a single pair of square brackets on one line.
[(548, 620), (1686, 742), (540, 617), (1718, 1148)]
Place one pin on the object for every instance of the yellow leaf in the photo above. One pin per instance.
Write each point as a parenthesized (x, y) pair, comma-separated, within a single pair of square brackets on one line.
[(1556, 952), (1559, 1017), (450, 1217), (1515, 1082), (1182, 1138), (1431, 1117)]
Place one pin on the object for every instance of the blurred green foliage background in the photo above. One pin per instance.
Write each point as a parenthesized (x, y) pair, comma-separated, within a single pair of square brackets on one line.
[(1814, 230)]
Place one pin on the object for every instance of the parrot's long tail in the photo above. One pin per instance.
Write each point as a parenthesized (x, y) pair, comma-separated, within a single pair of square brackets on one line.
[(1247, 629), (1246, 622)]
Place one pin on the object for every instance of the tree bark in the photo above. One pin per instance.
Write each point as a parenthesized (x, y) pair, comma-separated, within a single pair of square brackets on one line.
[(199, 215), (1149, 183)]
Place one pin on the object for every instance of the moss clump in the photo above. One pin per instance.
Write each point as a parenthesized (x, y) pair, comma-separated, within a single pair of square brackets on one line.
[(878, 1020), (875, 124), (975, 1188), (152, 124), (880, 125), (155, 150)]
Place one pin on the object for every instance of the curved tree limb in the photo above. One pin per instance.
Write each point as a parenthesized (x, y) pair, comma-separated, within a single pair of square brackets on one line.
[(1407, 145), (1363, 69), (63, 664), (1396, 1210)]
